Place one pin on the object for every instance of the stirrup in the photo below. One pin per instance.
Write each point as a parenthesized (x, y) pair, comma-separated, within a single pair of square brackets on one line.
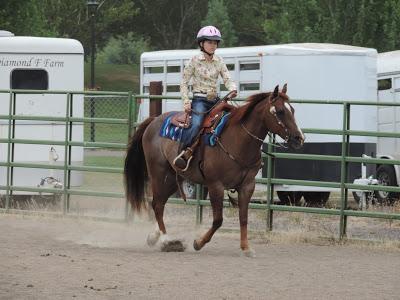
[(180, 156)]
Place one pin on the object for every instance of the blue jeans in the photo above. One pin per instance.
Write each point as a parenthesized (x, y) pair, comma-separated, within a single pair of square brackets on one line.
[(199, 106)]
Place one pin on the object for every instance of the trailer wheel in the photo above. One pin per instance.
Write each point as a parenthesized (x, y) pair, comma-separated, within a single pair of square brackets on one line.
[(317, 199), (387, 177), (289, 198)]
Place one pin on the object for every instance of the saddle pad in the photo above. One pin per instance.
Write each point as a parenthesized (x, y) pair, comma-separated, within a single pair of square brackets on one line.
[(169, 130), (210, 139)]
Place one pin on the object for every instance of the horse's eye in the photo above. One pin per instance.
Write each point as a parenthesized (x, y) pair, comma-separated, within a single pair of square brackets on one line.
[(280, 112)]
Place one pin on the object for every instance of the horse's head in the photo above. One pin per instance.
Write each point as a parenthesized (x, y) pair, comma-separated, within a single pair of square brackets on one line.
[(280, 118)]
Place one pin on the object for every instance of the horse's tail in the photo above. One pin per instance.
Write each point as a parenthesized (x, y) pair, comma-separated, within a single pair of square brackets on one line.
[(135, 170)]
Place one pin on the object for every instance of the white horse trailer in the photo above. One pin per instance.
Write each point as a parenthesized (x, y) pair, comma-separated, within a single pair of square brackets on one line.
[(312, 71), (388, 118), (36, 63)]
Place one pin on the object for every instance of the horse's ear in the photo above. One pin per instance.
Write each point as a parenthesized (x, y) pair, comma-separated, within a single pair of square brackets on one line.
[(284, 90), (276, 92)]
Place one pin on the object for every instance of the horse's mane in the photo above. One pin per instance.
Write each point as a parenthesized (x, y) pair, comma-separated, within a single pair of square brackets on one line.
[(242, 112)]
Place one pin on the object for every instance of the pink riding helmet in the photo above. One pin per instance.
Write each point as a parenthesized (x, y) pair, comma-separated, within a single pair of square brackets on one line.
[(209, 33)]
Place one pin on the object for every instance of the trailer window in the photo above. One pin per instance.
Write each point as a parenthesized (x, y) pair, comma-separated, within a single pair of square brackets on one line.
[(173, 69), (384, 84), (26, 79), (249, 66), (173, 88), (231, 67), (249, 86), (146, 89), (153, 70)]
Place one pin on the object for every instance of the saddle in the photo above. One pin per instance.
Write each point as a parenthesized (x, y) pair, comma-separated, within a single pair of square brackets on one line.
[(215, 115), (183, 119)]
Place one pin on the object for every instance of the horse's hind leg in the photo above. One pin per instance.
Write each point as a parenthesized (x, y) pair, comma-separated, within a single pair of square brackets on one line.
[(163, 186), (216, 199)]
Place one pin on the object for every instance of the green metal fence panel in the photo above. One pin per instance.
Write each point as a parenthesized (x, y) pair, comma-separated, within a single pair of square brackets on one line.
[(126, 121)]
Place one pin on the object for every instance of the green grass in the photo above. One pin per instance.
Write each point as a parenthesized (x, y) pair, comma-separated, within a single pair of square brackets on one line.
[(119, 78), (104, 161), (108, 77), (107, 133)]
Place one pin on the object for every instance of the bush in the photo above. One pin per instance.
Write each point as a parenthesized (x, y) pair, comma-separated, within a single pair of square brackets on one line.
[(123, 50)]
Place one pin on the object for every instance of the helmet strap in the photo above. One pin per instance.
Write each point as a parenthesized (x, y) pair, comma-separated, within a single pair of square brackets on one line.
[(210, 54), (204, 50)]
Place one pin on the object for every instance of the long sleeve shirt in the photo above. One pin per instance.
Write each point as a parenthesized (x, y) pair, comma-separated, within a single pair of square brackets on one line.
[(204, 75)]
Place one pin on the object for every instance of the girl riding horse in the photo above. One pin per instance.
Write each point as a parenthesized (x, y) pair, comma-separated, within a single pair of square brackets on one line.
[(203, 69)]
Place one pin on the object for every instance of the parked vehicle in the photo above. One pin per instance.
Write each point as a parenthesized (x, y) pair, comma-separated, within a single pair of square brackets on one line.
[(37, 63), (388, 121), (312, 71)]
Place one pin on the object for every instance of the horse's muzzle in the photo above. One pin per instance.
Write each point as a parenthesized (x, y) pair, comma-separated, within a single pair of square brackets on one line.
[(296, 142)]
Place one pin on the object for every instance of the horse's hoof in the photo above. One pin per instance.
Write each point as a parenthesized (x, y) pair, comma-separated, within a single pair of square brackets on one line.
[(196, 245), (152, 238), (249, 253)]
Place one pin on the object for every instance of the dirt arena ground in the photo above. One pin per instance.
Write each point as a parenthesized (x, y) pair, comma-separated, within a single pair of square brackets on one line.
[(63, 258)]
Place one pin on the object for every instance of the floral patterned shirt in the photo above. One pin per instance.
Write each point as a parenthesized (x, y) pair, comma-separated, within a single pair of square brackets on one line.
[(204, 75)]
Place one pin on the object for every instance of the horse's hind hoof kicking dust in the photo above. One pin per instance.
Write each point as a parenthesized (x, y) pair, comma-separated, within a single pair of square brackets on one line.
[(167, 245)]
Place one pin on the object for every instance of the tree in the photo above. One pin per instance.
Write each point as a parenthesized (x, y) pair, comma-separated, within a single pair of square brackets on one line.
[(367, 23), (218, 16), (170, 24), (124, 49), (248, 18), (23, 18), (70, 19)]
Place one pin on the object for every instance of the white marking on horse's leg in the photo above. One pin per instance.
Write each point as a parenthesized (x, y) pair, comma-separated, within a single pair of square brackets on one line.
[(164, 238), (152, 238), (249, 253)]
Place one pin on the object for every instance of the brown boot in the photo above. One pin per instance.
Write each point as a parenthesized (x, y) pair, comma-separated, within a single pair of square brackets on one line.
[(182, 161)]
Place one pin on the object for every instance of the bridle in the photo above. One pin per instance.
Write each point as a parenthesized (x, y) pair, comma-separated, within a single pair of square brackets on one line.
[(274, 142), (272, 110)]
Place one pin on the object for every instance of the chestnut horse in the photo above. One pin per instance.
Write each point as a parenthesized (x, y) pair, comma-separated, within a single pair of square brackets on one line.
[(232, 164)]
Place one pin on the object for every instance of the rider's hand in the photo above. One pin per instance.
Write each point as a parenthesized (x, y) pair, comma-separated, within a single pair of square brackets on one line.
[(233, 94), (187, 106)]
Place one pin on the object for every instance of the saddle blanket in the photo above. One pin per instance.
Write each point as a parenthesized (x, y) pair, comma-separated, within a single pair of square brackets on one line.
[(170, 131)]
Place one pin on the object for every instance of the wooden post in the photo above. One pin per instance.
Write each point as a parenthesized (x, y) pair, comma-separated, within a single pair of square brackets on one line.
[(156, 88)]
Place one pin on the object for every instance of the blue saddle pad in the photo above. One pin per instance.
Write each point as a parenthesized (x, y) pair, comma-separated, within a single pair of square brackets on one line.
[(169, 130), (175, 133)]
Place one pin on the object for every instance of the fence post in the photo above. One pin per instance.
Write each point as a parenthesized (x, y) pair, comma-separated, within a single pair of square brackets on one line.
[(343, 170), (71, 114), (270, 191), (155, 88), (92, 104), (66, 153), (9, 149)]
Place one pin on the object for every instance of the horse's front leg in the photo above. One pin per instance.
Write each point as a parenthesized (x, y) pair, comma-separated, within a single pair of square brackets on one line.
[(245, 192), (216, 199)]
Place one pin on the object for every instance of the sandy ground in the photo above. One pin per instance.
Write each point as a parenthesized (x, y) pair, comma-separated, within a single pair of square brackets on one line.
[(64, 258)]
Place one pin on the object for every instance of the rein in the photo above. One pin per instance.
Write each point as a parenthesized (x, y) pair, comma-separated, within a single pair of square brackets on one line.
[(226, 98), (274, 143)]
